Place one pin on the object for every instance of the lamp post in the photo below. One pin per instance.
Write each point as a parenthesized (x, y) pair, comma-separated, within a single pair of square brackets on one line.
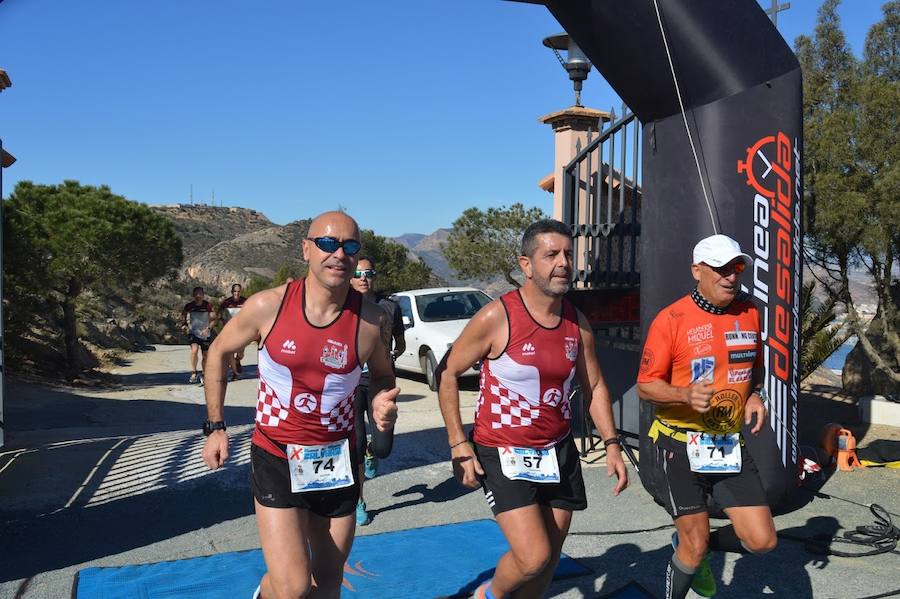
[(576, 62), (6, 160)]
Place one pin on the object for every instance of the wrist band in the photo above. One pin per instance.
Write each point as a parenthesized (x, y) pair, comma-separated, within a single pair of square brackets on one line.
[(611, 441), (459, 443)]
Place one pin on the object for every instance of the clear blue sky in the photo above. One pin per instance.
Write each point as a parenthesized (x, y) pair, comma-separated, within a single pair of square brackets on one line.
[(405, 112)]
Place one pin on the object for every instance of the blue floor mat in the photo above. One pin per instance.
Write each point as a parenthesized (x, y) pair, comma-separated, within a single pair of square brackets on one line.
[(448, 560)]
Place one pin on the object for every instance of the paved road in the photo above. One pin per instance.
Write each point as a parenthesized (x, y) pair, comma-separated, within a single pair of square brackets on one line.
[(113, 477)]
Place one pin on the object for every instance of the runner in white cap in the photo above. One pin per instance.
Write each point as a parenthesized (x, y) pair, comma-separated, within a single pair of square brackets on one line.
[(702, 367)]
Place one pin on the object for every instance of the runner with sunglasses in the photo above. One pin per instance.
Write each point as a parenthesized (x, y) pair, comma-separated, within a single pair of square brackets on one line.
[(315, 335), (702, 367), (391, 328)]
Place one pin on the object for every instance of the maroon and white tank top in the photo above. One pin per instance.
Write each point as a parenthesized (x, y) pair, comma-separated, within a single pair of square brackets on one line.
[(524, 400), (307, 375)]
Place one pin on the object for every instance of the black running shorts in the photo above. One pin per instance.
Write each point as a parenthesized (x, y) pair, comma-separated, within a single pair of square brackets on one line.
[(503, 494), (685, 492), (203, 343), (270, 482)]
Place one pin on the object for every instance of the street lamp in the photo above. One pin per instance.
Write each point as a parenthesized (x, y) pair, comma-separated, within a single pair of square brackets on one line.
[(6, 160), (576, 63)]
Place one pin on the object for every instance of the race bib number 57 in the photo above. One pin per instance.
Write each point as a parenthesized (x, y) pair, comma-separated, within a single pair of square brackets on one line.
[(534, 465)]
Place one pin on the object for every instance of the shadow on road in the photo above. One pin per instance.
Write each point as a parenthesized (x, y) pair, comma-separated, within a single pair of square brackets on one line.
[(113, 475)]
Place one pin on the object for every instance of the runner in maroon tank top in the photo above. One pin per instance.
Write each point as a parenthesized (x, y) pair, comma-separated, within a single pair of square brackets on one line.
[(315, 333), (228, 309), (532, 342)]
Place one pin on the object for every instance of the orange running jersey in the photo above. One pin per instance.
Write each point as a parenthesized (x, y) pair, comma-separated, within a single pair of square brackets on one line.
[(688, 344)]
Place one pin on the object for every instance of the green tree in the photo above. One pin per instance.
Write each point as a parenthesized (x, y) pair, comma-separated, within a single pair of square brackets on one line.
[(65, 239), (255, 285), (819, 335), (851, 116), (289, 271), (485, 244), (397, 271)]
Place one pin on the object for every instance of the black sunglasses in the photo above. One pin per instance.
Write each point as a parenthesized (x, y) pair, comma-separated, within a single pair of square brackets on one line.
[(331, 245)]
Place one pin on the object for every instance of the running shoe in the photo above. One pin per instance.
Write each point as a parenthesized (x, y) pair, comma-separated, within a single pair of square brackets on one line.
[(703, 583), (362, 516), (484, 590), (200, 380), (371, 465), (193, 378), (234, 376)]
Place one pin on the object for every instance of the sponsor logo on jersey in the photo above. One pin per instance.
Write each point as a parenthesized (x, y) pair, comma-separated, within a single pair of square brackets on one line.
[(571, 349), (740, 375), (647, 360), (741, 355), (699, 334), (306, 403), (289, 347), (528, 349), (739, 337), (552, 397), (725, 412), (334, 354), (702, 369), (703, 348)]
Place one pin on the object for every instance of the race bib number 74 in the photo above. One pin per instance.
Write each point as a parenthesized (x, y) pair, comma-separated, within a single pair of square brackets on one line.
[(320, 467)]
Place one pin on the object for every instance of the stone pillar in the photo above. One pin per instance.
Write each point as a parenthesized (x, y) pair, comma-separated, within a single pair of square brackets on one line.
[(570, 128)]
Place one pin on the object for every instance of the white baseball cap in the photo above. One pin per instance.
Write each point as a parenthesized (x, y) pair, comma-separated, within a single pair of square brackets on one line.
[(718, 250)]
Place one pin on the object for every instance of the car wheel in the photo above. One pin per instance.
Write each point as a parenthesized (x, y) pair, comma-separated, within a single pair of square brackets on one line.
[(430, 367)]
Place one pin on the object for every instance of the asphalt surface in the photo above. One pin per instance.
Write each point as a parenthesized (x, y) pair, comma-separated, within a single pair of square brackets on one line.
[(113, 477)]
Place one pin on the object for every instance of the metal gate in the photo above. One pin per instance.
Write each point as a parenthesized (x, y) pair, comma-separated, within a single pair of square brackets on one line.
[(602, 205)]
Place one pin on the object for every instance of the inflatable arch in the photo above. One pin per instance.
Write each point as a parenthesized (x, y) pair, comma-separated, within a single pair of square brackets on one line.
[(722, 154)]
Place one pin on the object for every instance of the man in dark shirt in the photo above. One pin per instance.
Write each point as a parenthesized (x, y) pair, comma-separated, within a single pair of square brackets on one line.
[(391, 328), (229, 307), (198, 319)]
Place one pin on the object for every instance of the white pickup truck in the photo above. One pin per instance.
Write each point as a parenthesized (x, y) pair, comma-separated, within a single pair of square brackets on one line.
[(433, 319)]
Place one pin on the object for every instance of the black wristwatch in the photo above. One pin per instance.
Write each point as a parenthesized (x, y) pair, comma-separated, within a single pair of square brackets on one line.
[(210, 427)]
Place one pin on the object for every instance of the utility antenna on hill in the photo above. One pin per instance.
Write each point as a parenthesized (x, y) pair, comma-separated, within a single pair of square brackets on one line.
[(192, 194), (213, 197)]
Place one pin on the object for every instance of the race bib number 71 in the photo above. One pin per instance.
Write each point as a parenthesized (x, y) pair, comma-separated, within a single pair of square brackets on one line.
[(714, 454)]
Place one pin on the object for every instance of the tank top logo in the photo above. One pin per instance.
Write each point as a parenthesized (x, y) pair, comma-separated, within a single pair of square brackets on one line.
[(334, 354), (571, 349), (306, 403), (552, 397)]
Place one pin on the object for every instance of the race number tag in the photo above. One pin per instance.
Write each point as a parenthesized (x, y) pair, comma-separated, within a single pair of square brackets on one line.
[(199, 324), (714, 454), (534, 465), (232, 312), (320, 467)]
